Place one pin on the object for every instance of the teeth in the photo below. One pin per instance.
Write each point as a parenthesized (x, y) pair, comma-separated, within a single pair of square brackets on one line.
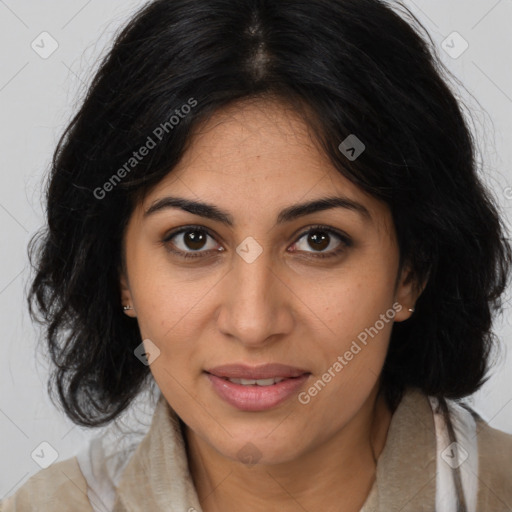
[(258, 382)]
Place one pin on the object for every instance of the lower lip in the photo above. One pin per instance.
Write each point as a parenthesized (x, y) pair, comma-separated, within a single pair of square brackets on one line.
[(256, 398)]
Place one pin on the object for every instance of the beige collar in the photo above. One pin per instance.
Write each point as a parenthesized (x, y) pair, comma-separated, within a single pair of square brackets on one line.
[(157, 477)]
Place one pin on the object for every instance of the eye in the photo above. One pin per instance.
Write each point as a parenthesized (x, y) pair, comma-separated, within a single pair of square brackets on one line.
[(320, 239), (189, 240), (196, 241)]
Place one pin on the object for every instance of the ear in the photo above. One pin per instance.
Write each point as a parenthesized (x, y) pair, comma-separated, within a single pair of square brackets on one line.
[(126, 296), (407, 292)]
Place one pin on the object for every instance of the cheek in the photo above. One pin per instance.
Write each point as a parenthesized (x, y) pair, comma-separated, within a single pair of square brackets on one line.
[(168, 299), (353, 300), (357, 309), (352, 355), (174, 315)]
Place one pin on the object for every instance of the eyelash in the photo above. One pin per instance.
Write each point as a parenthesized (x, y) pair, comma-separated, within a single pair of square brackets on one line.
[(344, 239)]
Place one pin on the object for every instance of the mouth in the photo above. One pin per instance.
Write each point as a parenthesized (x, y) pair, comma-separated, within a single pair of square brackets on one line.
[(257, 382), (257, 373), (256, 388)]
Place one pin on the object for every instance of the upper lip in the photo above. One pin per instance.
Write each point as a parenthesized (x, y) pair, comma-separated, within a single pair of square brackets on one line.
[(264, 371)]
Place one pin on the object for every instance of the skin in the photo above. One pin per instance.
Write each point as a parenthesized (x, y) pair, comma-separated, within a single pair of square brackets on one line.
[(254, 159)]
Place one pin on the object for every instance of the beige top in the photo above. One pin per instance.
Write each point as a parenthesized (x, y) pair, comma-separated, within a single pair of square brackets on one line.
[(412, 472)]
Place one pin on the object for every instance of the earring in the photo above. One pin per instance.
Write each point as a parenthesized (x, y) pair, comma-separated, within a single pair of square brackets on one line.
[(127, 307), (411, 310)]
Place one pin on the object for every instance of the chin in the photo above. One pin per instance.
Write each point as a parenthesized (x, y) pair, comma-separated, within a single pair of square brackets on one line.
[(250, 450)]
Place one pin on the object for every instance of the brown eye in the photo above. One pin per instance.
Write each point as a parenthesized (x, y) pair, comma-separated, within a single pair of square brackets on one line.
[(318, 240), (322, 242), (194, 240), (187, 241)]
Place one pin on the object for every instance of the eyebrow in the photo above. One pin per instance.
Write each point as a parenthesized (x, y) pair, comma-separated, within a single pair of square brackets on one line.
[(288, 214)]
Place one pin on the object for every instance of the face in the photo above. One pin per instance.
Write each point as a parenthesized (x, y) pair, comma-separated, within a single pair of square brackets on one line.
[(256, 279)]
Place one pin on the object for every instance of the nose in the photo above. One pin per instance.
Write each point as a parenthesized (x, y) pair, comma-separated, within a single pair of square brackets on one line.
[(257, 305)]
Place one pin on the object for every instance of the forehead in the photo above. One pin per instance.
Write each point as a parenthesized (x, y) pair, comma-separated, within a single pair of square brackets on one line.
[(252, 141), (257, 155)]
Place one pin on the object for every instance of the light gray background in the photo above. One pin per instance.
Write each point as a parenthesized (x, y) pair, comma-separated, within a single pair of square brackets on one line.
[(37, 99)]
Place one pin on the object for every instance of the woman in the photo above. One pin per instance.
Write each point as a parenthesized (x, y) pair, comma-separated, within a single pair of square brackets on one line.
[(272, 211)]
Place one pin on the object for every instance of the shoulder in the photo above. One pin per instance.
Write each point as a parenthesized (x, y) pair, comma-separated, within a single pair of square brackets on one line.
[(495, 465), (57, 488), (494, 445)]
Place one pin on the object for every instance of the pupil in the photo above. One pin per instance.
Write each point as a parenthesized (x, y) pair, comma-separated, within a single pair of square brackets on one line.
[(194, 239), (319, 241)]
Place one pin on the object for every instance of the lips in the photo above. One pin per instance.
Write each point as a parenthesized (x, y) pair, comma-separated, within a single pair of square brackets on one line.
[(266, 371), (234, 383)]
